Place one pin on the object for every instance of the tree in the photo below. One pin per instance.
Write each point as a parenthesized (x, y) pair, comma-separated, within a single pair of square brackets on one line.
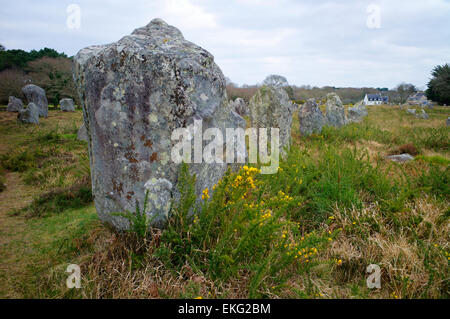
[(275, 81), (404, 90), (2, 47), (439, 86)]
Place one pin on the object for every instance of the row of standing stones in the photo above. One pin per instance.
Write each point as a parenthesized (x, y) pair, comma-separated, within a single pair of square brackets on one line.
[(135, 92), (312, 120), (37, 105)]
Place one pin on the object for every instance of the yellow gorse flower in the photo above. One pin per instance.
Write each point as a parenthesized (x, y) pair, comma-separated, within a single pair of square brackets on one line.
[(205, 193)]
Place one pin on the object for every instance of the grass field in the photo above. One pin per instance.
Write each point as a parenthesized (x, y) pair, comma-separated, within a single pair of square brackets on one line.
[(310, 231)]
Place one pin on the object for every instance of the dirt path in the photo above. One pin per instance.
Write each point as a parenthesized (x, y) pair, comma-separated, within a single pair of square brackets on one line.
[(14, 245)]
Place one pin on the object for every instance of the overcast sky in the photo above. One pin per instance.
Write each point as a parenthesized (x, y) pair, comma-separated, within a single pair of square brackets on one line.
[(338, 43)]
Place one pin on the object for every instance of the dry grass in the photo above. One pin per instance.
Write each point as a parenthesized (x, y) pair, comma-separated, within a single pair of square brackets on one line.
[(411, 245)]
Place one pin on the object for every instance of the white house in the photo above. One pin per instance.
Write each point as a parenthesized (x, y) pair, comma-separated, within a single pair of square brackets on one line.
[(373, 99)]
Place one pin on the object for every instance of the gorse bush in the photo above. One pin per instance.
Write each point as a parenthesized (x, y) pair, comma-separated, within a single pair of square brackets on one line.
[(237, 230)]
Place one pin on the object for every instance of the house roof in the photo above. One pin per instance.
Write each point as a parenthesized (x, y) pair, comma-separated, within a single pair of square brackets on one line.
[(374, 97)]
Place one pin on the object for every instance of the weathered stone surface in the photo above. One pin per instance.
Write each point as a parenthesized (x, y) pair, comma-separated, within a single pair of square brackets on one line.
[(311, 118), (335, 112), (135, 93), (240, 107), (448, 121), (271, 107), (82, 134), (29, 115), (67, 105), (402, 158), (418, 98), (14, 104), (357, 112), (36, 95), (411, 111), (422, 115)]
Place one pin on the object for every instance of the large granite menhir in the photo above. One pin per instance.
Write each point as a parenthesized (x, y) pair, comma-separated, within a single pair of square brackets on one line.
[(36, 95), (134, 93)]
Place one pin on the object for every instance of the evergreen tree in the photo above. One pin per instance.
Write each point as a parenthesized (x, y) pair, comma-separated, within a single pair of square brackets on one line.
[(439, 86)]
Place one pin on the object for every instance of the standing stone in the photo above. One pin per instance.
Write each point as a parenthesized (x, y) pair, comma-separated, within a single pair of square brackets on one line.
[(29, 115), (240, 107), (67, 105), (36, 95), (357, 112), (82, 134), (14, 104), (448, 121), (335, 112), (311, 118), (135, 93), (411, 111), (422, 115), (270, 108)]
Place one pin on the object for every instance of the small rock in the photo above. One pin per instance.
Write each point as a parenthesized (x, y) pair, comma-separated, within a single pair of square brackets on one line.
[(448, 121), (311, 118), (402, 158), (29, 115), (36, 95), (67, 105), (14, 104)]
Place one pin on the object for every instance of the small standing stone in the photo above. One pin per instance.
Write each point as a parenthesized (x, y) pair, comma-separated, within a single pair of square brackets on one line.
[(36, 95), (270, 107), (311, 118), (357, 113), (422, 115), (82, 134), (67, 105), (29, 115), (14, 104), (335, 112), (448, 121)]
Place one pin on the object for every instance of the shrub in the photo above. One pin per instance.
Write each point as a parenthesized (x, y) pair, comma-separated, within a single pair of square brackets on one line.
[(237, 230), (409, 148)]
